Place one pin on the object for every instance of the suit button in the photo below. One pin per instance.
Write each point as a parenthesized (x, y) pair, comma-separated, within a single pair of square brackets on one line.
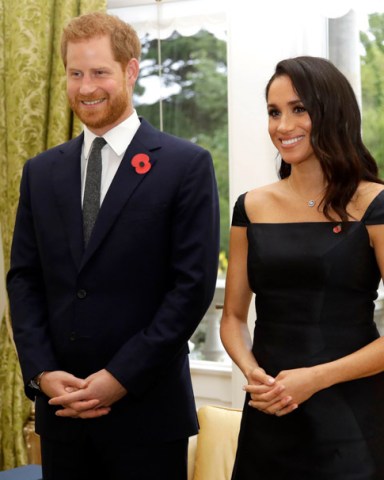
[(72, 336), (81, 293)]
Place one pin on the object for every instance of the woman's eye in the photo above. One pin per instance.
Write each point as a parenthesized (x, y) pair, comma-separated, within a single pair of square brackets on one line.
[(273, 113), (300, 109)]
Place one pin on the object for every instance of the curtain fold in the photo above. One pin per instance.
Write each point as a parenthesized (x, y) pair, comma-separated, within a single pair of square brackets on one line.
[(34, 115), (161, 19)]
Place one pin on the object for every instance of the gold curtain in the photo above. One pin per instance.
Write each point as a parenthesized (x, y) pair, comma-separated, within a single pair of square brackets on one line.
[(34, 116)]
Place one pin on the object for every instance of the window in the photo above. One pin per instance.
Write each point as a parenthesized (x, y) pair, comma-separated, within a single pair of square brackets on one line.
[(182, 89), (372, 82)]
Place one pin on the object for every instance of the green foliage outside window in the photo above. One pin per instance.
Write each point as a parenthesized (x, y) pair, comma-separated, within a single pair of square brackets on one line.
[(194, 104), (372, 80)]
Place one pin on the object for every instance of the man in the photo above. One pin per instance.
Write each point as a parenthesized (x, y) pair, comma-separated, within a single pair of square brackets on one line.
[(103, 308)]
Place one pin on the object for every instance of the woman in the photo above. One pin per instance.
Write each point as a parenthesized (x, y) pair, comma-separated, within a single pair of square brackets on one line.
[(311, 246)]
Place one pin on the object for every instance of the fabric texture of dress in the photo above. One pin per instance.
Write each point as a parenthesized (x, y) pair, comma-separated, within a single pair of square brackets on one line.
[(315, 286)]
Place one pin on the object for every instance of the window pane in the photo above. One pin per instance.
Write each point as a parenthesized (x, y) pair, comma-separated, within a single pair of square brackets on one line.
[(372, 80), (192, 85), (187, 96)]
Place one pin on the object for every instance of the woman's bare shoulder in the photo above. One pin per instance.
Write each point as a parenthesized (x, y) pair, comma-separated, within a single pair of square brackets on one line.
[(259, 201), (264, 191), (366, 192)]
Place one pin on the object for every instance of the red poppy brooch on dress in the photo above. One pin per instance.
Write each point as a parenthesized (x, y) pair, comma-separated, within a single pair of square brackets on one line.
[(337, 229), (141, 163)]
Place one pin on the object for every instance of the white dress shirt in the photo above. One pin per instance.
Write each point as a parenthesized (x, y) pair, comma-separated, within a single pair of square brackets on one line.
[(118, 140)]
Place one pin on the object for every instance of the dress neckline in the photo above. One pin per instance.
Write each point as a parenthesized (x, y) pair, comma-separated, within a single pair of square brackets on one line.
[(366, 214)]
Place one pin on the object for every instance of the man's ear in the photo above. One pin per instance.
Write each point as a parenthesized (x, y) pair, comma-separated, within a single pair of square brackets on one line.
[(132, 71)]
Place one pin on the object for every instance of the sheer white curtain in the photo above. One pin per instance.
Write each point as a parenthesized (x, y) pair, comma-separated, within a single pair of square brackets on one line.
[(161, 18)]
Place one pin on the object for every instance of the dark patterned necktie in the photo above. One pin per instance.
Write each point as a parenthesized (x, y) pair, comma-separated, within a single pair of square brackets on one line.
[(91, 200)]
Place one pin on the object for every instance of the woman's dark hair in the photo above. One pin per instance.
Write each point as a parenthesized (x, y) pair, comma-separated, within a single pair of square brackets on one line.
[(336, 129)]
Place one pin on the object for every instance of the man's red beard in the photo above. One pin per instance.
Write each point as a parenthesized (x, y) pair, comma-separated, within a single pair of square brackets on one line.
[(103, 115)]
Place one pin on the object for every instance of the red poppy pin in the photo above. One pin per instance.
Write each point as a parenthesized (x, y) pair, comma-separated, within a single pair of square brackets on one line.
[(337, 229), (141, 163)]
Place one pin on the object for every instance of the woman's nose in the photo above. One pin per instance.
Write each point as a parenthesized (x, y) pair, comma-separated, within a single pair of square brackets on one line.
[(286, 123)]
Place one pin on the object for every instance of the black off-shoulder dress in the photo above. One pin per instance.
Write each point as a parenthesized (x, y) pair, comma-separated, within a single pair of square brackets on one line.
[(315, 286)]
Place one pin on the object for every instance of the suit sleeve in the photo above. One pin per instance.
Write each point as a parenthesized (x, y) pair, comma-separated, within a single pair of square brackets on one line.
[(194, 262), (26, 291)]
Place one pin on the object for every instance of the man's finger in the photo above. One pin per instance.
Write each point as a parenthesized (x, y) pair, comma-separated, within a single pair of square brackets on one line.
[(95, 413), (76, 396), (91, 413)]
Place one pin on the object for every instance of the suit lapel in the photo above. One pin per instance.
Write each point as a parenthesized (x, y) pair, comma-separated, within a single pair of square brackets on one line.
[(67, 185), (125, 182)]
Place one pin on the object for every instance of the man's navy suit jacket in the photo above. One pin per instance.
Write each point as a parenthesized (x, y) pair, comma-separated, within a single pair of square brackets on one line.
[(130, 301)]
